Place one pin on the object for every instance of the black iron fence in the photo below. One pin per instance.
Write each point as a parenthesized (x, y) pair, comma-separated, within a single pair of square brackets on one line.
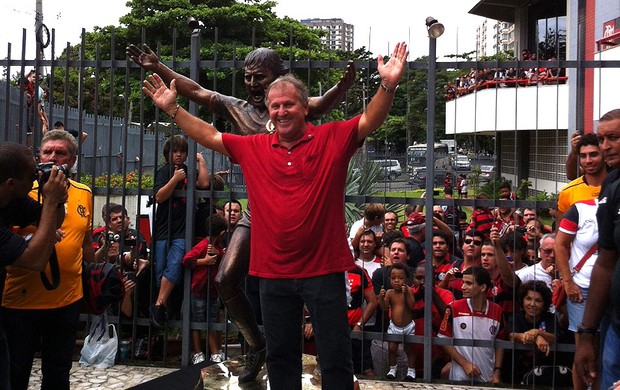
[(120, 145)]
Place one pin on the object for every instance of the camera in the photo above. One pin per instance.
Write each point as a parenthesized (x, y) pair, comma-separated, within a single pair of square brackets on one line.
[(46, 170), (113, 237)]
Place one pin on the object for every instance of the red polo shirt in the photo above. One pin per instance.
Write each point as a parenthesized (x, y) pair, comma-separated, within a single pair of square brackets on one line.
[(297, 198)]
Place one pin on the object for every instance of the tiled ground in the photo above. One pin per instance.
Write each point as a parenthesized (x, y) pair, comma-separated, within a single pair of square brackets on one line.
[(123, 377)]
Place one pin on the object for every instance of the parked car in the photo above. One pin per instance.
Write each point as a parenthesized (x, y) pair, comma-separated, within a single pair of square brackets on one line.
[(419, 178), (390, 169), (461, 163), (487, 173)]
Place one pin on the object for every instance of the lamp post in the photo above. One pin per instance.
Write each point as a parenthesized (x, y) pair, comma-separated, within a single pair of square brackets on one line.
[(435, 29)]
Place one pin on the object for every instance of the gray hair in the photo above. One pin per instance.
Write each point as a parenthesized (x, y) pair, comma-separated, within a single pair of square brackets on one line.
[(302, 90), (544, 237), (62, 135)]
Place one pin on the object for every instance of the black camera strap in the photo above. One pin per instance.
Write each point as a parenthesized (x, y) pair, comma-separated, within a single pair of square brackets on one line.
[(55, 271)]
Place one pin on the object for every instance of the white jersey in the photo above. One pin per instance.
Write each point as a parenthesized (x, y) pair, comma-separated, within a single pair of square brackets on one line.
[(469, 324), (580, 221), (369, 266)]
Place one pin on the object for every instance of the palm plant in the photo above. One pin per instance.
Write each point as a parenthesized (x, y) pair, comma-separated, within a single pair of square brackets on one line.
[(361, 178)]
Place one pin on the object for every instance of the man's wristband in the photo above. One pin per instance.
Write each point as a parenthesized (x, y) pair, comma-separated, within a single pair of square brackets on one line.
[(174, 114), (387, 89), (360, 324), (583, 330)]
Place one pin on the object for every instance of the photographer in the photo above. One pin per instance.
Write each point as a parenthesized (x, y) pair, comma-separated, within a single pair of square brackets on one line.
[(37, 318), (17, 170), (117, 243), (107, 241)]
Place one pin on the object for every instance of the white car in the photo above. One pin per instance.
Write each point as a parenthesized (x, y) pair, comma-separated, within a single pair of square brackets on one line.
[(390, 169), (487, 173), (461, 163)]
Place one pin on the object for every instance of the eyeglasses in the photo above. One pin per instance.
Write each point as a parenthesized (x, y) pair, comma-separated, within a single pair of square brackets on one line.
[(468, 241), (546, 251)]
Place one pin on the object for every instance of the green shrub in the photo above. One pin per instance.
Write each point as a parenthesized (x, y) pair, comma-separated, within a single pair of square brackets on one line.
[(116, 180)]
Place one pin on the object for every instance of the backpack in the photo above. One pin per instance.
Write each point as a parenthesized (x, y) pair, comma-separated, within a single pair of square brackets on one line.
[(103, 285)]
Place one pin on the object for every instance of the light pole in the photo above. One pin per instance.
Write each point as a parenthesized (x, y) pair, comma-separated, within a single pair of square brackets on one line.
[(435, 29)]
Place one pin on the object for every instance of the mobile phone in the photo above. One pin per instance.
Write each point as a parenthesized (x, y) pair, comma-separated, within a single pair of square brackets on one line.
[(435, 192), (458, 275), (131, 275)]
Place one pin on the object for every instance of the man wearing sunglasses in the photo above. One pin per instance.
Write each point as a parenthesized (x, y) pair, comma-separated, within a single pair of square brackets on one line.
[(472, 249)]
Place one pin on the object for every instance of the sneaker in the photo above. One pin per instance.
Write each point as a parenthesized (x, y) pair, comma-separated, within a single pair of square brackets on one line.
[(159, 315), (141, 351), (198, 358), (254, 361), (410, 376), (217, 357), (391, 375)]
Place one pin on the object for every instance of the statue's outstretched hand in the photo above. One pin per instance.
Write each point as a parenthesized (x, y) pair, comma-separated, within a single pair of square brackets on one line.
[(347, 80), (143, 57)]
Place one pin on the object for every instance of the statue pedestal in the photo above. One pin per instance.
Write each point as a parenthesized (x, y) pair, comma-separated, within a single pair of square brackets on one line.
[(225, 375)]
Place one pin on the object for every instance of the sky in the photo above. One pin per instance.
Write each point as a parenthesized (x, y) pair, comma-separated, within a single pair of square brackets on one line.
[(378, 28)]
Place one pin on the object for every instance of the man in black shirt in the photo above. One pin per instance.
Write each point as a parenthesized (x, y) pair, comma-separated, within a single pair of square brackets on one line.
[(604, 292), (17, 173)]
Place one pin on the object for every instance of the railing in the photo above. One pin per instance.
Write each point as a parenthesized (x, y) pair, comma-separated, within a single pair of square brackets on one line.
[(139, 147)]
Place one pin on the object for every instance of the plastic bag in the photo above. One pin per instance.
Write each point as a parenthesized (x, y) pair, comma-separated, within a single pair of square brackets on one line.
[(99, 348)]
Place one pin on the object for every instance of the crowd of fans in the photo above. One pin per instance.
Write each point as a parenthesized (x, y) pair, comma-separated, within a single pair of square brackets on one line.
[(485, 261), (478, 79)]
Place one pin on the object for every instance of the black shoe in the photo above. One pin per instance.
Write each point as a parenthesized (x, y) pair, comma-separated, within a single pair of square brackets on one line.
[(254, 361), (159, 315)]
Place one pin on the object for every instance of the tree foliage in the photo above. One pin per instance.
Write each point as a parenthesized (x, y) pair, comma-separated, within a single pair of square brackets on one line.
[(230, 30)]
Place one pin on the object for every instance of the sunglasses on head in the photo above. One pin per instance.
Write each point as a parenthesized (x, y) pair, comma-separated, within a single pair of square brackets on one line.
[(468, 241)]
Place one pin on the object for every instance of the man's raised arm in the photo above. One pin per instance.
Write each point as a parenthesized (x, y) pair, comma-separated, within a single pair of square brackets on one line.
[(166, 99), (379, 107)]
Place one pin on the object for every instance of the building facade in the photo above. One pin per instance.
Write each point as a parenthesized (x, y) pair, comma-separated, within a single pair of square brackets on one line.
[(339, 34), (494, 36), (532, 118)]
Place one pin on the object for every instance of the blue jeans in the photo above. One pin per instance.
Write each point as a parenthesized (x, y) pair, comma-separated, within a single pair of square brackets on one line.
[(54, 332), (575, 310), (610, 364), (168, 260), (203, 309), (282, 302)]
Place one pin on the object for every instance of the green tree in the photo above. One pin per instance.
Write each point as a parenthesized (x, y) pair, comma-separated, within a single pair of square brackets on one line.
[(231, 30)]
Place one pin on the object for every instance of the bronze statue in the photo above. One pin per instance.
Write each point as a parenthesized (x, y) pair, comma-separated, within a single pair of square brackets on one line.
[(262, 66)]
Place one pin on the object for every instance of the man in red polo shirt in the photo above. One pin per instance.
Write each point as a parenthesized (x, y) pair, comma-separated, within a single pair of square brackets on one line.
[(297, 176)]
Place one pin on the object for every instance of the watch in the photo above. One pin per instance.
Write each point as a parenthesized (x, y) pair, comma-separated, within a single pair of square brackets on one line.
[(582, 329)]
